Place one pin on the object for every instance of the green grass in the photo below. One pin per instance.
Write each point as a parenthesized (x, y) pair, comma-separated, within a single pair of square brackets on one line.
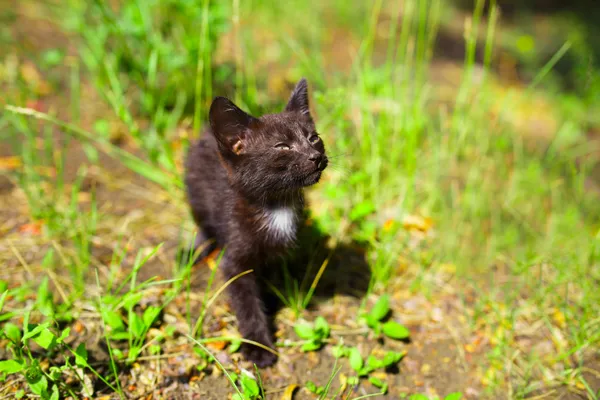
[(501, 217)]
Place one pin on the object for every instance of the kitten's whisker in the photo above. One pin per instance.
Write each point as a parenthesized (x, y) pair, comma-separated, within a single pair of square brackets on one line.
[(339, 155)]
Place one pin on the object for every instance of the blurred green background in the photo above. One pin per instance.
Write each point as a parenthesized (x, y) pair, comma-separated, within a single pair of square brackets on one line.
[(464, 138)]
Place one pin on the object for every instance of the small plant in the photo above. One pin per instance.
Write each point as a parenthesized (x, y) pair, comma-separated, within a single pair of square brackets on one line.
[(121, 314), (314, 334), (314, 388), (47, 384), (248, 386), (364, 368), (389, 328), (378, 383)]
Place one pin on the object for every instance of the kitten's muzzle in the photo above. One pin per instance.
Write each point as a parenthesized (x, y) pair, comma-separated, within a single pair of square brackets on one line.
[(320, 160)]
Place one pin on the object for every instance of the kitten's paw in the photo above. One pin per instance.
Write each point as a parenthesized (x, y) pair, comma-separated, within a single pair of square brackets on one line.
[(259, 356)]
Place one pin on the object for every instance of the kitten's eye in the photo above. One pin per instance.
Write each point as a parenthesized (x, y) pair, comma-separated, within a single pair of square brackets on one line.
[(282, 146), (313, 139)]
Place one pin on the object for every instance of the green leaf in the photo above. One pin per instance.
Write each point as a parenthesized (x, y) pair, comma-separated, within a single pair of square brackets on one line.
[(44, 299), (235, 346), (322, 328), (318, 390), (118, 354), (392, 358), (377, 328), (304, 331), (249, 386), (340, 351), (131, 299), (35, 331), (380, 309), (33, 372), (202, 365), (55, 373), (11, 367), (374, 362), (395, 330), (55, 394), (102, 127), (376, 381), (53, 57), (12, 332), (379, 383), (136, 325), (81, 355), (20, 394), (120, 336), (64, 334), (91, 152), (365, 370), (3, 286), (372, 322), (356, 361), (311, 346), (454, 396), (418, 396), (36, 380), (43, 292), (150, 315), (353, 380), (39, 387), (361, 210), (113, 319), (170, 330), (45, 339), (3, 298)]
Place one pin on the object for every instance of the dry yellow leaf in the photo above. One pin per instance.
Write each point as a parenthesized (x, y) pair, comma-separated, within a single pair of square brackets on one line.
[(559, 318), (219, 345), (289, 392), (10, 163), (343, 382), (30, 74), (34, 228), (415, 222), (448, 268), (388, 225), (33, 78), (84, 197)]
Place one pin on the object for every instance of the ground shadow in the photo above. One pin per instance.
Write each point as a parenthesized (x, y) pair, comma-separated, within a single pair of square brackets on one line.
[(337, 268), (346, 271)]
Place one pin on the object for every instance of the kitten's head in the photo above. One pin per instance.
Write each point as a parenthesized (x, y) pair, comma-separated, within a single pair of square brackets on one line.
[(272, 154)]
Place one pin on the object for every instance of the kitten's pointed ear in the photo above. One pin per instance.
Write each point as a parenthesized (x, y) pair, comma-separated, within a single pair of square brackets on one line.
[(299, 98), (229, 124)]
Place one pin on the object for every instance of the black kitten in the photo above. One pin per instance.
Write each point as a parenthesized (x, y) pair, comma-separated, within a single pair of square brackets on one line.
[(244, 182)]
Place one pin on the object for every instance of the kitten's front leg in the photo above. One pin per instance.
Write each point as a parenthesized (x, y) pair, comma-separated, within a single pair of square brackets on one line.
[(249, 310)]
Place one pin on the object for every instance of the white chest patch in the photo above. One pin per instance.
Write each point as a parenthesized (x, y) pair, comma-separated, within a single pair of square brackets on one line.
[(280, 223)]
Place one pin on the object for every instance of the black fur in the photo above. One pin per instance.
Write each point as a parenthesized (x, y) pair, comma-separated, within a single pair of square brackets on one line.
[(240, 170)]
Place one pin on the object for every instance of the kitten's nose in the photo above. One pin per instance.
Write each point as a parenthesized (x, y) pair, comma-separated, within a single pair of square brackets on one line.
[(319, 160), (315, 157)]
